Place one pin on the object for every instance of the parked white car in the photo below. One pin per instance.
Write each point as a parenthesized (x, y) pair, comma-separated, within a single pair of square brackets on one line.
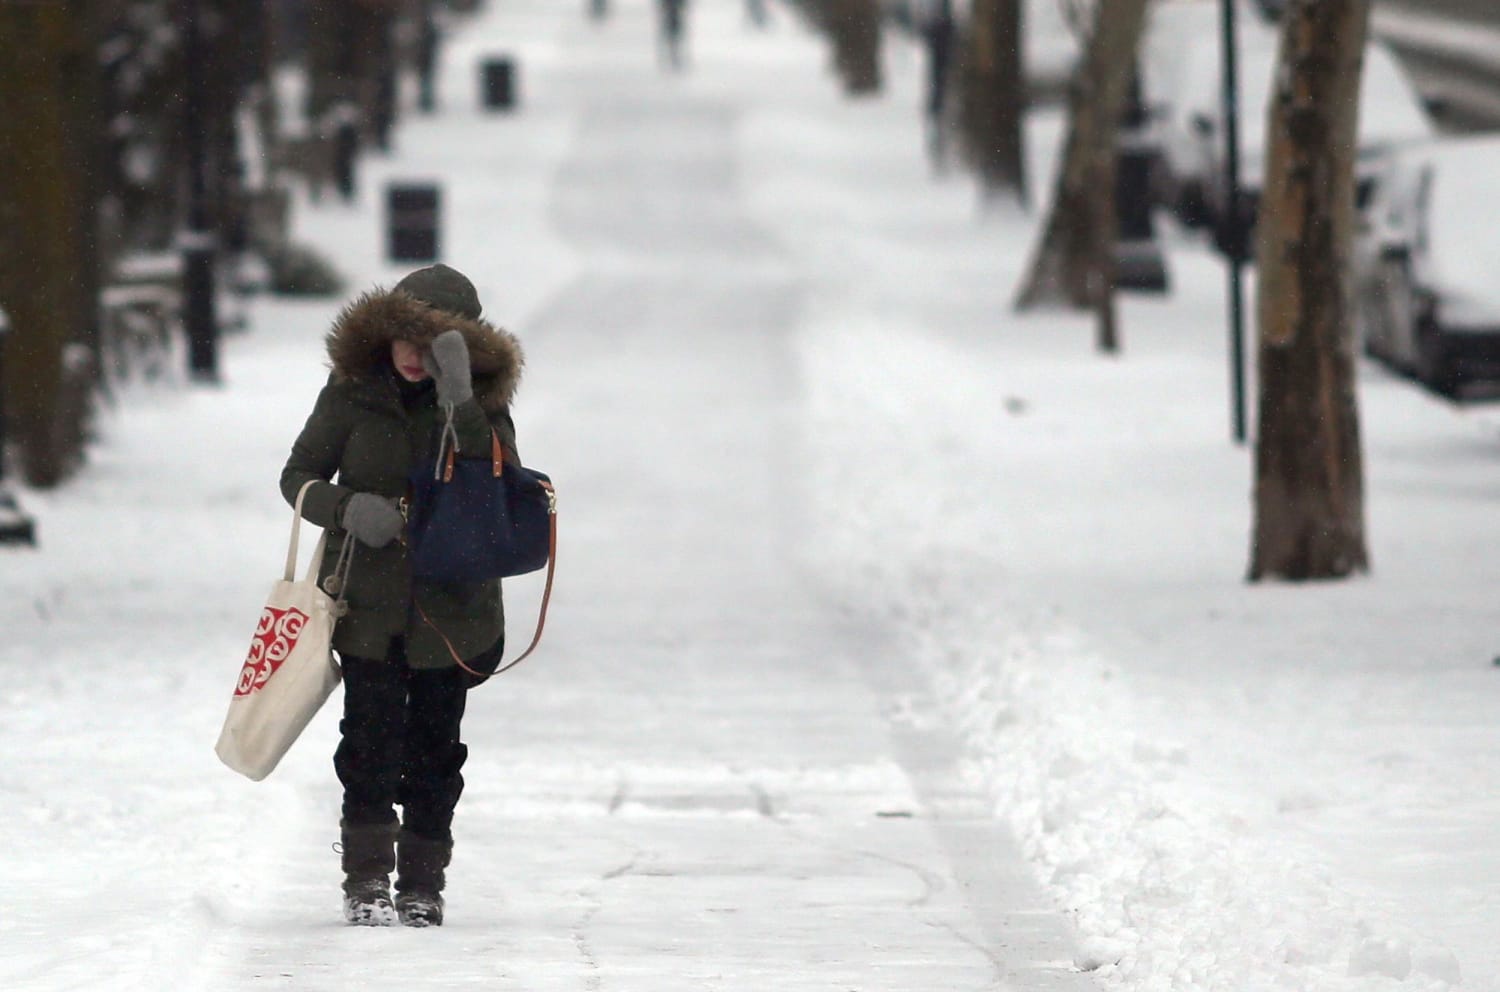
[(1391, 115), (1182, 87), (1182, 84), (1427, 297)]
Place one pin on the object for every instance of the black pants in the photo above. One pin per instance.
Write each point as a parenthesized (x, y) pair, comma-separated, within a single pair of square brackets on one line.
[(400, 743)]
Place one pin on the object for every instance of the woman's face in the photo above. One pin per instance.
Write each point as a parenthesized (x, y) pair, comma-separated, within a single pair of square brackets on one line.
[(407, 358)]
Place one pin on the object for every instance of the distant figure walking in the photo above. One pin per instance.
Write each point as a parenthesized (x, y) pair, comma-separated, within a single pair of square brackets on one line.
[(598, 9), (673, 27), (937, 34)]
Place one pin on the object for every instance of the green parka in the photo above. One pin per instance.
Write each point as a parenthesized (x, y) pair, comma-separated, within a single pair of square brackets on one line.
[(361, 437)]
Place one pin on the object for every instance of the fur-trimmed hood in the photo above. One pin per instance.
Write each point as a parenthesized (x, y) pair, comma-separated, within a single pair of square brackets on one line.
[(359, 343)]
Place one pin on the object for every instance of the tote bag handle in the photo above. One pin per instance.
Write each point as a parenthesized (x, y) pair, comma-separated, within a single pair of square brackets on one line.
[(339, 580)]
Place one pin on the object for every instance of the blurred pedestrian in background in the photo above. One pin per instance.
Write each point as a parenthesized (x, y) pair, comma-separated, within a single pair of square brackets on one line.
[(935, 21), (673, 15)]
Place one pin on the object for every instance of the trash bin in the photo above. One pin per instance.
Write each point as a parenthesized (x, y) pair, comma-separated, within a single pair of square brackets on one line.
[(412, 222), (498, 82), (1140, 264)]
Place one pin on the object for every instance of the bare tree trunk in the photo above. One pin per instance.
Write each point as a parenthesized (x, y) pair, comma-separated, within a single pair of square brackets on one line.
[(45, 237), (1074, 264), (994, 97), (351, 81), (1309, 488), (333, 94), (854, 27), (86, 128), (378, 70)]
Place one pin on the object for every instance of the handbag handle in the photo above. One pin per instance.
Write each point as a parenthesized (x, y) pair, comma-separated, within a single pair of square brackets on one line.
[(497, 456), (541, 613)]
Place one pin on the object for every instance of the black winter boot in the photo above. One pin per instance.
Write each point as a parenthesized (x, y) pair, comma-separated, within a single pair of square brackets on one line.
[(369, 856), (419, 880)]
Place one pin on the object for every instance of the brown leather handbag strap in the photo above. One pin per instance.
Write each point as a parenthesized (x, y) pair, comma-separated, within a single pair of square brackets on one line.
[(541, 617), (497, 457)]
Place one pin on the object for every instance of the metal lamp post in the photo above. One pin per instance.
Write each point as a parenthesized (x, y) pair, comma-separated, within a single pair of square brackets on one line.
[(1234, 235), (197, 240), (427, 58), (15, 526)]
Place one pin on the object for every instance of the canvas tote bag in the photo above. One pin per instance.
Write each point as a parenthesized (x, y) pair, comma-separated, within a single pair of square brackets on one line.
[(290, 670)]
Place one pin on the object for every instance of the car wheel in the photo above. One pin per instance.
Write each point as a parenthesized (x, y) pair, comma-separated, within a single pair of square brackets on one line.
[(1192, 207), (1367, 314), (1435, 363), (1368, 329), (1393, 318)]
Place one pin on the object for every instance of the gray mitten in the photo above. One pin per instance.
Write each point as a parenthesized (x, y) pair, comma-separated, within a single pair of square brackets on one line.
[(371, 519), (447, 361)]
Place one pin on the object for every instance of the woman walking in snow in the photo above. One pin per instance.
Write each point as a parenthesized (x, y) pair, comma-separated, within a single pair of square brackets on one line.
[(406, 363)]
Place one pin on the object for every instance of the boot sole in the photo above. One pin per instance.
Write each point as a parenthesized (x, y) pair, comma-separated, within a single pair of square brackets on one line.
[(371, 916), (420, 913), (371, 920), (421, 924)]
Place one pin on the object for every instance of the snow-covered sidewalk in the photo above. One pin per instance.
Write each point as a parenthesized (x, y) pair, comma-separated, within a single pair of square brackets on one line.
[(877, 605), (710, 777)]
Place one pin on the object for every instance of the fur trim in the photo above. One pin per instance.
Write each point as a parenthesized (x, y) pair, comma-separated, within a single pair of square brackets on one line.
[(360, 339)]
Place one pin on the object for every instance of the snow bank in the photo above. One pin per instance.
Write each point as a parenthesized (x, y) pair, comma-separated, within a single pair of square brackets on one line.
[(950, 440)]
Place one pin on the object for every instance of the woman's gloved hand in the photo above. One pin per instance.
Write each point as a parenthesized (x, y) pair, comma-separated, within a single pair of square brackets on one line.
[(372, 520), (447, 361)]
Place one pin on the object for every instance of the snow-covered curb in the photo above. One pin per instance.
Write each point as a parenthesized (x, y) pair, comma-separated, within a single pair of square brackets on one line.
[(938, 424), (1165, 892)]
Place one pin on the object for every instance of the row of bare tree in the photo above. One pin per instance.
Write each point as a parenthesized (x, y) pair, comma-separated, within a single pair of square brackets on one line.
[(94, 167), (1308, 491), (977, 56), (139, 131)]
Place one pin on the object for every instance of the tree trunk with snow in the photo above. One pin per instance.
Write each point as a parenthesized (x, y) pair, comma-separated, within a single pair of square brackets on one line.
[(1309, 486), (854, 28), (1074, 264), (46, 236), (993, 97), (348, 56)]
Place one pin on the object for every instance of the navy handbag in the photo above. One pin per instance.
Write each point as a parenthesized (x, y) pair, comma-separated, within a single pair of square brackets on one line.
[(479, 518)]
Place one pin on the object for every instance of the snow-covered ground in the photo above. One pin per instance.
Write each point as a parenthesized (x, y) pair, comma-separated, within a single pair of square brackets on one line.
[(887, 486)]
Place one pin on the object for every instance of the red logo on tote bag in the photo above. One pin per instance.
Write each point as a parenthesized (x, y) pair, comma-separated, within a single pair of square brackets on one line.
[(275, 636)]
